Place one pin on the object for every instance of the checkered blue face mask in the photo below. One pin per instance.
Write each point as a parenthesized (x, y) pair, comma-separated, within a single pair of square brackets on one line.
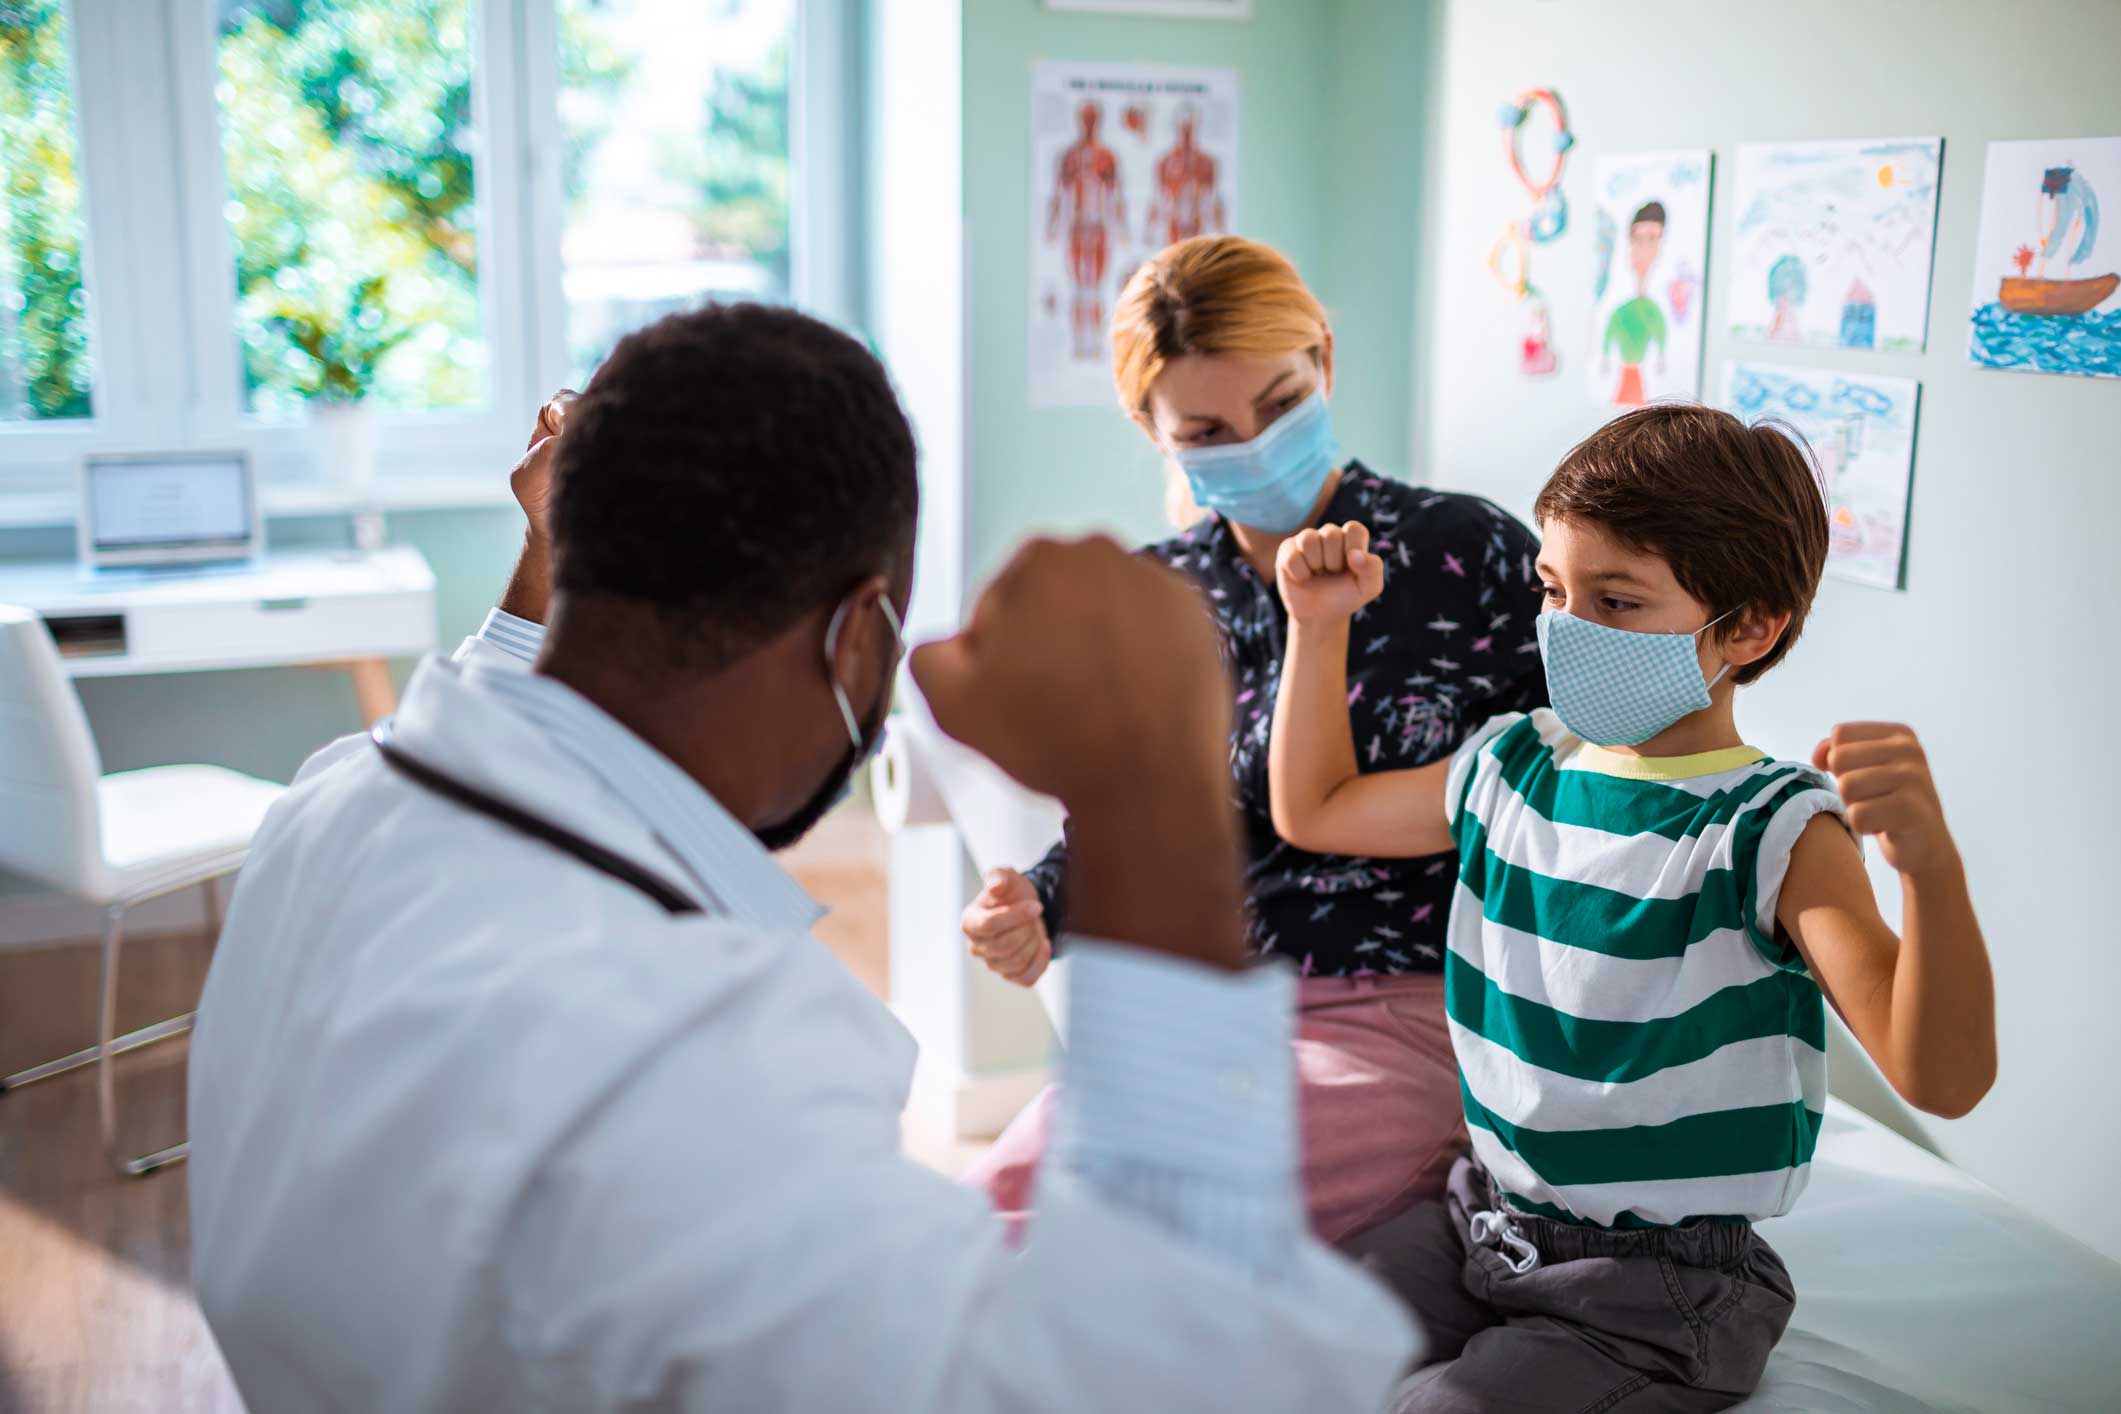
[(1616, 688)]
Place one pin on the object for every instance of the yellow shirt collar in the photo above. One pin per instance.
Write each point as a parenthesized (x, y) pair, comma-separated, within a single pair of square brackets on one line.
[(1667, 768)]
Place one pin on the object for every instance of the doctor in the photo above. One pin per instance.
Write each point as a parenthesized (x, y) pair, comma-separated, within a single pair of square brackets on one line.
[(520, 1084)]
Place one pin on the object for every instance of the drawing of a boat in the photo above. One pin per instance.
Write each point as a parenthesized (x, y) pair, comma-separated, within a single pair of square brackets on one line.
[(2054, 297)]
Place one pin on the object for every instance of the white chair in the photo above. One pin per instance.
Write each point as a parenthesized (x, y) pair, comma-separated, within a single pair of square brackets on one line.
[(114, 840)]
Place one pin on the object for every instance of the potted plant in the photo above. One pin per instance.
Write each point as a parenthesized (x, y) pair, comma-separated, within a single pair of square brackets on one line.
[(339, 351)]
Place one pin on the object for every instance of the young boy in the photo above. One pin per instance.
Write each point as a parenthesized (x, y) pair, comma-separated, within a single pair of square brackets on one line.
[(1650, 917)]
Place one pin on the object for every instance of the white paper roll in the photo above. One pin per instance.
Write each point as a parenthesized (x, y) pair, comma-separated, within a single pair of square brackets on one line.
[(902, 785)]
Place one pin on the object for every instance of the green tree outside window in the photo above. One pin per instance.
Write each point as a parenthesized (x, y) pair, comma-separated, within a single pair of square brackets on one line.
[(676, 170), (45, 370)]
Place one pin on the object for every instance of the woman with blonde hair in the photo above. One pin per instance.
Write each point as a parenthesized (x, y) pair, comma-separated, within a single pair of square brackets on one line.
[(1224, 359)]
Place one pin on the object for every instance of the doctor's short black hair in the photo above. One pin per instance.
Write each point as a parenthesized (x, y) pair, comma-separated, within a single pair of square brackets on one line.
[(732, 467)]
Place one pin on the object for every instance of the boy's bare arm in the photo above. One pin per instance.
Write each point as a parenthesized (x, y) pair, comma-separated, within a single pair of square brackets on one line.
[(1317, 795), (1923, 1006)]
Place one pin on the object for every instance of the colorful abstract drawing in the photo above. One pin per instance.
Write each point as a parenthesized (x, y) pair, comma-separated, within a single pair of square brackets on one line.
[(1653, 225), (1833, 242), (2046, 272), (1510, 257), (1860, 433)]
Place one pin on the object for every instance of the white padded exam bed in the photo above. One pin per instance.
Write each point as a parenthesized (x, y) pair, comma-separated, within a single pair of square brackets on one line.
[(1919, 1290)]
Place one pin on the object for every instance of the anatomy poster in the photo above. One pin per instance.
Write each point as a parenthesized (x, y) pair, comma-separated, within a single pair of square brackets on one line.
[(2047, 277), (1861, 432), (1125, 160), (1833, 240), (1653, 252)]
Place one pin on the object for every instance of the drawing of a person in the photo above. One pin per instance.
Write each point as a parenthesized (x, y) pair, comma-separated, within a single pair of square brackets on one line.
[(1786, 283), (1636, 325), (1087, 203)]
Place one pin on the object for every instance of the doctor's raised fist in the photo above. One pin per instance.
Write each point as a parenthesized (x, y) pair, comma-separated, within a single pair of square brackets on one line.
[(1087, 673)]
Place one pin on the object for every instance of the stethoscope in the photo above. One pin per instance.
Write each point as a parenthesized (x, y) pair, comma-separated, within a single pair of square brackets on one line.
[(674, 900)]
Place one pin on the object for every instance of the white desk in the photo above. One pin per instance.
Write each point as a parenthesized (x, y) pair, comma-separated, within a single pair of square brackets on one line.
[(303, 608)]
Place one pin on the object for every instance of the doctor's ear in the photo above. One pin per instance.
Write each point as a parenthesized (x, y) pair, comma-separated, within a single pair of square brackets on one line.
[(860, 634), (1325, 362)]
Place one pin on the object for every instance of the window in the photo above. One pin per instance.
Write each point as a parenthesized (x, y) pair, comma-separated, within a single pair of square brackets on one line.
[(447, 208), (346, 129), (45, 372), (674, 116)]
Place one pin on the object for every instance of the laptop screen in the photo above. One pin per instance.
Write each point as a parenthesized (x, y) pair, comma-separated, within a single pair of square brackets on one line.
[(142, 503)]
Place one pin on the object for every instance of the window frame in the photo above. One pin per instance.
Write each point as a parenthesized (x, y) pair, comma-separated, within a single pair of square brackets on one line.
[(157, 262)]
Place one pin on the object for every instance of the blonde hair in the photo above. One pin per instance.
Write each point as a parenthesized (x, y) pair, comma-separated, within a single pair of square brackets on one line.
[(1210, 295)]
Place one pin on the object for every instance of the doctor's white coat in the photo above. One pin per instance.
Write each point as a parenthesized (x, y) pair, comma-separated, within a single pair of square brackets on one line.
[(478, 1128)]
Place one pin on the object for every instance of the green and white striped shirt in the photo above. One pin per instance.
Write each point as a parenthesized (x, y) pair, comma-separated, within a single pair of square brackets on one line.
[(1637, 1043)]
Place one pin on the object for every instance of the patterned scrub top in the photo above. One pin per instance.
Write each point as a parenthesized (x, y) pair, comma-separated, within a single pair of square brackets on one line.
[(1447, 645)]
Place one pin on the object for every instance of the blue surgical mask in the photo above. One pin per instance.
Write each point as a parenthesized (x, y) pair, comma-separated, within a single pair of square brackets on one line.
[(1613, 687), (1271, 482)]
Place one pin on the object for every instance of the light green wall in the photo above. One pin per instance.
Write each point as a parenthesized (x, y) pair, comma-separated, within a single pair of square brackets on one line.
[(1329, 91), (1375, 175), (1996, 652)]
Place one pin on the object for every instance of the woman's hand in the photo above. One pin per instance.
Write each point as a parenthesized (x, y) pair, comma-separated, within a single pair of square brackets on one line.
[(1007, 928), (1328, 573)]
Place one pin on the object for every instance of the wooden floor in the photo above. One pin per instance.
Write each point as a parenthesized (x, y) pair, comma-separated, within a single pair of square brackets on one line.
[(95, 1306)]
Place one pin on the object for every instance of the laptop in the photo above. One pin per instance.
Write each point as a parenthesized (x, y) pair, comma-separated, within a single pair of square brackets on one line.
[(172, 509)]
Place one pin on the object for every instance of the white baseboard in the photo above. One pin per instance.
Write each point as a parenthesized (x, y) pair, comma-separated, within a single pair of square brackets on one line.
[(40, 918)]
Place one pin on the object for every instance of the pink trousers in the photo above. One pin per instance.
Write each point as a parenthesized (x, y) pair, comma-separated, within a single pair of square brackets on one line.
[(1377, 1095)]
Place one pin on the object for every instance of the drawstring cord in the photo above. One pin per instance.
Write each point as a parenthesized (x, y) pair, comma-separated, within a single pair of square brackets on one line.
[(1494, 1227)]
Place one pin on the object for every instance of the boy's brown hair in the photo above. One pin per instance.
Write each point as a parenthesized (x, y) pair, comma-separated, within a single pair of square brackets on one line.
[(1735, 510)]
